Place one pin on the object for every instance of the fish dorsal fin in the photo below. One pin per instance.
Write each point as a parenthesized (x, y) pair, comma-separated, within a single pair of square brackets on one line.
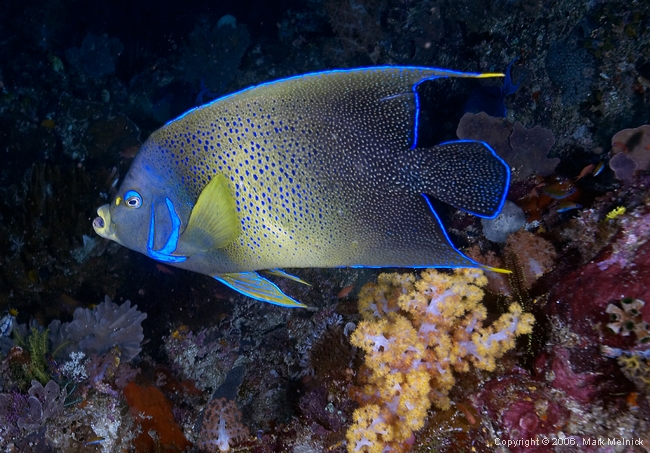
[(214, 222)]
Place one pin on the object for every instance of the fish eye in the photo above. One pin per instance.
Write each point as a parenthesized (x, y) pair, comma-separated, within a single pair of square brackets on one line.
[(133, 199)]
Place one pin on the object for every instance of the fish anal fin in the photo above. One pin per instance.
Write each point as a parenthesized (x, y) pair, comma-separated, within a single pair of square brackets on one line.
[(214, 222), (252, 285)]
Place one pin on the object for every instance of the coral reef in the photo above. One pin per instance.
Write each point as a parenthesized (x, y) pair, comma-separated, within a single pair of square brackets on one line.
[(631, 153), (221, 426), (159, 429), (510, 219), (96, 331), (628, 319), (524, 409), (357, 25), (528, 256), (44, 402), (570, 66), (634, 233), (204, 357), (97, 55), (416, 334), (525, 150), (211, 58)]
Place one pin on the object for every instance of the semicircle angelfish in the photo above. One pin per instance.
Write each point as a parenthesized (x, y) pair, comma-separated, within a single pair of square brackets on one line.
[(317, 170)]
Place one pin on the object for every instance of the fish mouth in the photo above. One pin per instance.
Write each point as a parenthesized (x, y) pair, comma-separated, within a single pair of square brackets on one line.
[(103, 225)]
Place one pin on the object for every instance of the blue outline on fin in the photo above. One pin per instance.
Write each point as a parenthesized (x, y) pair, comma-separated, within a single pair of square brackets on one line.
[(292, 304), (165, 253), (507, 183), (444, 232)]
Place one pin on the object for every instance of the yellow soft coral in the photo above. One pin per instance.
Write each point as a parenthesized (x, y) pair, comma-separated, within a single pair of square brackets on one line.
[(368, 429), (415, 334)]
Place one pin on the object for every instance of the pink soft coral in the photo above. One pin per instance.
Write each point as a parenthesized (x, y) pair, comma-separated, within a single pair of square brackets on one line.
[(221, 426)]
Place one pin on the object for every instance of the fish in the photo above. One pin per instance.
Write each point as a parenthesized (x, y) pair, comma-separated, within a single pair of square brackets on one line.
[(345, 292), (567, 205), (316, 170), (94, 441), (7, 322)]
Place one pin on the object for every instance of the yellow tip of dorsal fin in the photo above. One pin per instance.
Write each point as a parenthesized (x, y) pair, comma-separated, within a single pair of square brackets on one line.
[(487, 75), (496, 269), (214, 222)]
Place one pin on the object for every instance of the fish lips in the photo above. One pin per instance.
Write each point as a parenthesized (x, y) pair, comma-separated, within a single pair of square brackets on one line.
[(103, 225)]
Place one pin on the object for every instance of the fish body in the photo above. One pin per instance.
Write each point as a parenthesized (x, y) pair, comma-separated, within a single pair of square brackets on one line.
[(319, 170)]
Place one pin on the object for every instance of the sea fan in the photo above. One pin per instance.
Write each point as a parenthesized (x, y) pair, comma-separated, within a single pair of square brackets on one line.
[(95, 332)]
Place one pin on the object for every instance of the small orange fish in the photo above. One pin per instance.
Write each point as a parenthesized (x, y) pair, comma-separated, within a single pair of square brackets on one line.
[(164, 269), (345, 292), (130, 152), (467, 412), (559, 190), (585, 171), (632, 400), (567, 205), (94, 441), (599, 167)]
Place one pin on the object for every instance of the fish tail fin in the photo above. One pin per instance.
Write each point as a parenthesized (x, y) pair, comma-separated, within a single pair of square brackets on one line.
[(466, 174)]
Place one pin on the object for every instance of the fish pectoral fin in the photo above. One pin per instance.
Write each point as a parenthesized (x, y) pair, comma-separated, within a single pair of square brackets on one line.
[(282, 274), (252, 285), (466, 174), (214, 222)]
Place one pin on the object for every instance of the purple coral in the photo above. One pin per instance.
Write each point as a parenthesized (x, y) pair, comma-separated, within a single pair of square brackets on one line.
[(624, 167), (12, 408), (44, 402), (631, 148), (525, 150), (95, 332)]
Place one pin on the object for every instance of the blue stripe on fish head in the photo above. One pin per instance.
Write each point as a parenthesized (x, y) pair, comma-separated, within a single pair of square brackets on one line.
[(165, 252)]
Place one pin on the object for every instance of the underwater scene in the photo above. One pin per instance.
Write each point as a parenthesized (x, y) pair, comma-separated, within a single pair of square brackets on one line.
[(349, 226)]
